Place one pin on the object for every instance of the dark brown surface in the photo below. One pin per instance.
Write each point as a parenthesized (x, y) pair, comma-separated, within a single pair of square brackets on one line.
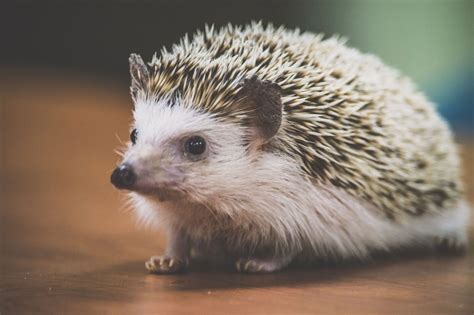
[(68, 245)]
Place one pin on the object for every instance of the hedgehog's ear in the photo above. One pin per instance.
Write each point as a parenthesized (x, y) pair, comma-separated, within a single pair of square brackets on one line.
[(139, 73), (264, 100)]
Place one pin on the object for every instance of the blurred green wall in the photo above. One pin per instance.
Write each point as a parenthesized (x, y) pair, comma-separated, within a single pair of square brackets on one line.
[(429, 40)]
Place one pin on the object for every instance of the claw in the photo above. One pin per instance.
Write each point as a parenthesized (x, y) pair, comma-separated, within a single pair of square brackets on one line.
[(237, 266), (247, 264), (159, 264), (149, 265), (256, 265)]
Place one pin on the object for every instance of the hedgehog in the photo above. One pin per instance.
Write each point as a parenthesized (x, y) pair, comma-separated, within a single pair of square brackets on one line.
[(263, 146)]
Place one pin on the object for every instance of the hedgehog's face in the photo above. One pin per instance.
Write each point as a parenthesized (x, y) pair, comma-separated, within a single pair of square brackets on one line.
[(178, 151)]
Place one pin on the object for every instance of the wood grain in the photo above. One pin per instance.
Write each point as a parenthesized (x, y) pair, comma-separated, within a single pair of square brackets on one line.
[(69, 246)]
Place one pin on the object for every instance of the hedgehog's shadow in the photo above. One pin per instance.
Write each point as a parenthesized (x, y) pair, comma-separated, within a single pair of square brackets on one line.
[(205, 277), (208, 278)]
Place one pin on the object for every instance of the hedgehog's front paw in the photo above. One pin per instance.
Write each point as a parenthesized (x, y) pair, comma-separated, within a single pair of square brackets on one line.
[(254, 265), (166, 264)]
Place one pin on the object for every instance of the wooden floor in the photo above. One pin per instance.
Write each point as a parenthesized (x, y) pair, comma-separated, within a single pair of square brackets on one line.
[(69, 246)]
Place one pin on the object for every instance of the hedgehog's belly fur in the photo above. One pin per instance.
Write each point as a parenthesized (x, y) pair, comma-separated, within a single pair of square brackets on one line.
[(314, 221)]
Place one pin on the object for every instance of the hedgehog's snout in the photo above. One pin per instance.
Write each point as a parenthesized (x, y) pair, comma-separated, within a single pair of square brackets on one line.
[(123, 177)]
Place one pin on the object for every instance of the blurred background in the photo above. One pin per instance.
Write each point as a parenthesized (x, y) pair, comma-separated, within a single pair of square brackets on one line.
[(429, 40)]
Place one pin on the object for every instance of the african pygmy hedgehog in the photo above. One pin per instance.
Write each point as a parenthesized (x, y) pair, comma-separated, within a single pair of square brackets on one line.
[(267, 146)]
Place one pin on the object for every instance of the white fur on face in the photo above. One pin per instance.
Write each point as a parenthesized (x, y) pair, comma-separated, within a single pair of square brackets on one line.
[(160, 161), (158, 122)]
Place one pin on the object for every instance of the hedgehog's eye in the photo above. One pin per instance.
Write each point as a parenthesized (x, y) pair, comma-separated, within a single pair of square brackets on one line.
[(195, 145), (133, 136)]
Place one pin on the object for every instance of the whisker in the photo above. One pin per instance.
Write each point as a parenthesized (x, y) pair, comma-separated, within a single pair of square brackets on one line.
[(127, 204), (120, 140)]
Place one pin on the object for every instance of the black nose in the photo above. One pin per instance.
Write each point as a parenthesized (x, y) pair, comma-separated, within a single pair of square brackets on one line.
[(123, 177)]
